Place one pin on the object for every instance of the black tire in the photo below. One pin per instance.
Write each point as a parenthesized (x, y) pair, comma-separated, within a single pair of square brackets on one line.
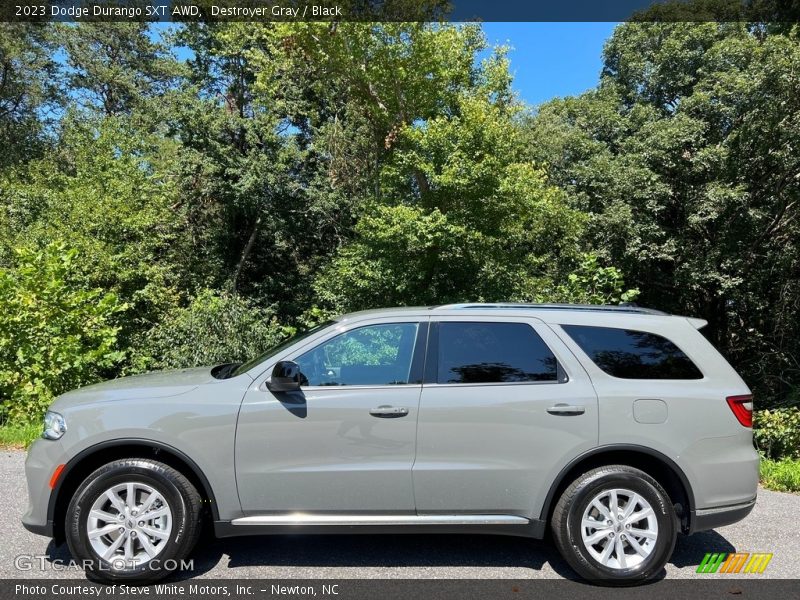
[(569, 511), (180, 495)]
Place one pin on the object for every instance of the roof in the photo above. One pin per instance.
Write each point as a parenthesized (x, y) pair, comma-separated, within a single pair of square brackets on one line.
[(623, 308), (579, 313), (502, 306)]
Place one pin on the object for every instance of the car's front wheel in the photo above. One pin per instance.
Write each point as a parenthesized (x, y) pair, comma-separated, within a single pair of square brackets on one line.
[(133, 520), (615, 525)]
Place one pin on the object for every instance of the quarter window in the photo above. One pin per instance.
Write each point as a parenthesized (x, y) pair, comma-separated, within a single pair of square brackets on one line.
[(493, 353), (371, 355), (631, 354)]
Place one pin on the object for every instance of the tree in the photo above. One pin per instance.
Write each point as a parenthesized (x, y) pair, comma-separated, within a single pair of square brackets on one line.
[(115, 67), (27, 90), (486, 226), (285, 129), (685, 159), (214, 328), (256, 193), (110, 195)]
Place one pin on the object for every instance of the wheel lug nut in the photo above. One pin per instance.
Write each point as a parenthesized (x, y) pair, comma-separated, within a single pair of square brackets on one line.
[(628, 526), (122, 530), (121, 517), (608, 522), (619, 517), (141, 523), (611, 535), (622, 537), (133, 534)]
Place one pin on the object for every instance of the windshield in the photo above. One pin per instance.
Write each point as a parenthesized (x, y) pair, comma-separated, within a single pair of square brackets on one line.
[(280, 347)]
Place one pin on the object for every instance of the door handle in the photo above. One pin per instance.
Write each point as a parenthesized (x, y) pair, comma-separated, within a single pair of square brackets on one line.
[(389, 411), (566, 409)]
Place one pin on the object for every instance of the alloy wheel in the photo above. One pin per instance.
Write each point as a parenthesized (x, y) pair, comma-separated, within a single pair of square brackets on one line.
[(129, 524), (619, 528)]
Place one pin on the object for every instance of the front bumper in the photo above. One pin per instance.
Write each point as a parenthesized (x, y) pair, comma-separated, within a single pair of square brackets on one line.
[(30, 524), (711, 518), (43, 458)]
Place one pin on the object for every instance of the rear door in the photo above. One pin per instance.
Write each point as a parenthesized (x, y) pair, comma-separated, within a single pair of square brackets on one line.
[(505, 405)]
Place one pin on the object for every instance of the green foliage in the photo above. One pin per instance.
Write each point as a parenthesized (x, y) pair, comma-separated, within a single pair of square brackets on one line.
[(377, 345), (27, 90), (107, 191), (684, 158), (777, 432), (215, 328), (591, 283), (278, 169), (403, 256), (781, 476), (316, 168), (115, 66), (464, 217), (55, 334)]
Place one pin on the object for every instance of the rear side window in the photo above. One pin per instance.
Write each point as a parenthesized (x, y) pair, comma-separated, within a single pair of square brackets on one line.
[(630, 354), (493, 353)]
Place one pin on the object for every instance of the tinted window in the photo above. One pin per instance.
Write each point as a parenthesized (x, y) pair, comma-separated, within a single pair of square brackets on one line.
[(493, 353), (633, 354), (372, 355)]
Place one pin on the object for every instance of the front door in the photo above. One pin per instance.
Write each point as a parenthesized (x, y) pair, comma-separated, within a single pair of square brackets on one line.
[(346, 443), (504, 407)]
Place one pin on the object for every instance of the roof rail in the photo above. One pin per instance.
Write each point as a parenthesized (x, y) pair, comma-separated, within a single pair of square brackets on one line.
[(579, 307)]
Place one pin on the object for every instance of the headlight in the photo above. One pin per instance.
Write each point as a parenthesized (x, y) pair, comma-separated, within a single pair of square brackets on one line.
[(54, 426)]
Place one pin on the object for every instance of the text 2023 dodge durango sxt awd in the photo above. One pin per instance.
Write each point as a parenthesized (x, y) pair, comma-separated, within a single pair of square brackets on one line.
[(616, 427)]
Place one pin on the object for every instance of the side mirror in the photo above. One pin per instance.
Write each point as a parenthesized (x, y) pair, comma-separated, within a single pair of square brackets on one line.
[(285, 377)]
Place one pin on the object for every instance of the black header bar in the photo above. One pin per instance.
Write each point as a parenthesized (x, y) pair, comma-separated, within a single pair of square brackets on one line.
[(181, 11)]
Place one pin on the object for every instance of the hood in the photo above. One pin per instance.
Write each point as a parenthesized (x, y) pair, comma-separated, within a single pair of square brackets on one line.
[(160, 384)]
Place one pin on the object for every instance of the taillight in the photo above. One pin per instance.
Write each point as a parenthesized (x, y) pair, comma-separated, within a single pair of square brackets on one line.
[(742, 407)]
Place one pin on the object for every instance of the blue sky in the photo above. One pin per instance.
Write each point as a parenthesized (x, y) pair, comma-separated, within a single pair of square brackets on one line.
[(552, 59)]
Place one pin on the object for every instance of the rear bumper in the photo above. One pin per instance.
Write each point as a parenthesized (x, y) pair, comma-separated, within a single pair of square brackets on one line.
[(711, 518)]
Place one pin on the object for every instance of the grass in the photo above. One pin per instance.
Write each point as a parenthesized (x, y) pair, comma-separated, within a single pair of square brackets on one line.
[(781, 475), (19, 436)]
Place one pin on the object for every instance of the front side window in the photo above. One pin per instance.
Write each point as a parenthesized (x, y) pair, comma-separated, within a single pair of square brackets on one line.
[(276, 349), (371, 355), (630, 354), (493, 353)]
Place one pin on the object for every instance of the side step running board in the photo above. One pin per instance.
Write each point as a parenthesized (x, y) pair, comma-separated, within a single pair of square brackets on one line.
[(380, 520)]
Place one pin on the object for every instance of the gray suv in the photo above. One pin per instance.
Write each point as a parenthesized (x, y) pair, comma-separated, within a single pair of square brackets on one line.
[(613, 427)]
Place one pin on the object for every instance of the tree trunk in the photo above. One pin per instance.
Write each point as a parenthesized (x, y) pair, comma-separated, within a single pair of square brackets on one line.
[(245, 253)]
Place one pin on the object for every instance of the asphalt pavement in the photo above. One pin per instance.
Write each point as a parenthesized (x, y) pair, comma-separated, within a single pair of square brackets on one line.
[(771, 527)]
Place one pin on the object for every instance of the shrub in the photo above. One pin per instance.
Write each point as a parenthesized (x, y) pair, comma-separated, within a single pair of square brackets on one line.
[(591, 283), (55, 335), (777, 432), (216, 327)]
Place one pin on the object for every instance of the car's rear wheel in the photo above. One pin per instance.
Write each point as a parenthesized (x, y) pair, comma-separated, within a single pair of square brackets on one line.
[(615, 525), (133, 520)]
